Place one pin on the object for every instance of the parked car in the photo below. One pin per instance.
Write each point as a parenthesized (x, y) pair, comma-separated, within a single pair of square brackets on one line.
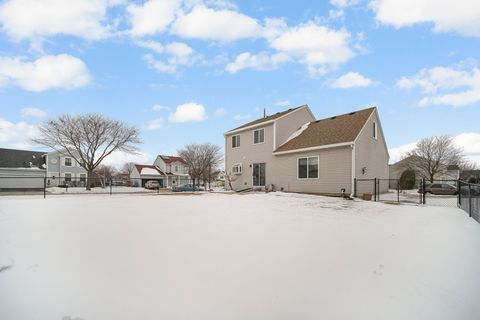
[(186, 187), (152, 184), (440, 189)]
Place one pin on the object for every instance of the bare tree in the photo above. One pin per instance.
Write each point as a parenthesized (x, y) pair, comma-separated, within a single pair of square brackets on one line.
[(431, 156), (88, 138), (128, 168), (201, 160)]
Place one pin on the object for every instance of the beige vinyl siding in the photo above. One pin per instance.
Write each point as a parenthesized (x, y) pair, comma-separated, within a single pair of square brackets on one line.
[(335, 172), (372, 154), (290, 123), (247, 154)]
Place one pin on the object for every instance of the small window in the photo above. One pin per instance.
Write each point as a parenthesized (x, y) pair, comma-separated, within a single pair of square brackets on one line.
[(236, 141), (68, 177), (259, 136), (68, 162), (237, 169), (374, 127), (308, 168)]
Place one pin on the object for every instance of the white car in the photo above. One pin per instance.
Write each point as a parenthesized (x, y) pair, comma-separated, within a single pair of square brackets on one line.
[(152, 184)]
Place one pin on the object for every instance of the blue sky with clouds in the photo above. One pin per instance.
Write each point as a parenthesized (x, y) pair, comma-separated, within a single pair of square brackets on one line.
[(187, 71)]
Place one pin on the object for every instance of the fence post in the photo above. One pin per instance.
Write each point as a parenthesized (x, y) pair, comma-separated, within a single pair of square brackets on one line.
[(44, 187), (398, 190), (459, 193), (424, 201), (110, 186), (354, 187), (375, 189), (470, 200)]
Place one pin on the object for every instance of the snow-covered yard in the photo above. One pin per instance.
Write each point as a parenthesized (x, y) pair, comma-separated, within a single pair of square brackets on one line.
[(220, 256)]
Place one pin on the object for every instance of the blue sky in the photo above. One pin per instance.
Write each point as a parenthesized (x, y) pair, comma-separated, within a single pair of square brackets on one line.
[(187, 71)]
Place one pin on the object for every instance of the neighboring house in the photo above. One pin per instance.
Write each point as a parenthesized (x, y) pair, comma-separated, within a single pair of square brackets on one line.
[(447, 172), (292, 151), (63, 169), (21, 169), (175, 169), (472, 176), (142, 173)]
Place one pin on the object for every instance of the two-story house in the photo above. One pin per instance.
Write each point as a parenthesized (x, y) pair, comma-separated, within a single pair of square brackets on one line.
[(64, 169), (175, 169), (292, 151)]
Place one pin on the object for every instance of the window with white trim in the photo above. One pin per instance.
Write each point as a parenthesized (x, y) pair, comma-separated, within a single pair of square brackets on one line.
[(308, 168), (374, 127), (236, 141), (68, 162), (258, 136), (237, 168), (83, 177), (68, 177)]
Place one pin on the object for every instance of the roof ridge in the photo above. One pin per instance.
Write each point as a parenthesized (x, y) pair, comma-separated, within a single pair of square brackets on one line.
[(345, 114)]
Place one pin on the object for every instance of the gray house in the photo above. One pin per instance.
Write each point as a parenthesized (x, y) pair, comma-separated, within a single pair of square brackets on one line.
[(62, 168), (292, 151), (175, 169), (21, 169)]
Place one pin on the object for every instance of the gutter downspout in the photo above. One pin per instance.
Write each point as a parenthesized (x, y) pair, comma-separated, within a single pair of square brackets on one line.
[(353, 170)]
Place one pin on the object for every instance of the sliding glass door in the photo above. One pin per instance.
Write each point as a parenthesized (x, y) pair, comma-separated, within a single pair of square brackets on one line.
[(259, 174)]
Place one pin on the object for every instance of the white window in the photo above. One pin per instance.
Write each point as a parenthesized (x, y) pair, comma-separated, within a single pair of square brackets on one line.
[(68, 176), (374, 127), (68, 162), (307, 168), (83, 177), (237, 168), (259, 136), (236, 141)]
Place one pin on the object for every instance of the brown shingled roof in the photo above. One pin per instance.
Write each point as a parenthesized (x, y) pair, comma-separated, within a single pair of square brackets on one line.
[(267, 118), (333, 130)]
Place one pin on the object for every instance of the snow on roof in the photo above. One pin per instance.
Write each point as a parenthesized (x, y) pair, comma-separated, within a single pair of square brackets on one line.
[(150, 172), (298, 132)]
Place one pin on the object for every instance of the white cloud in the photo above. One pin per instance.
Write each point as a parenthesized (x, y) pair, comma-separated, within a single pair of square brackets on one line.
[(241, 116), (283, 103), (152, 17), (220, 112), (462, 17), (118, 159), (469, 142), (33, 112), (317, 46), (457, 86), (17, 135), (344, 3), (177, 54), (218, 25), (155, 124), (188, 112), (48, 72), (351, 80), (397, 153), (157, 107), (262, 61), (31, 19)]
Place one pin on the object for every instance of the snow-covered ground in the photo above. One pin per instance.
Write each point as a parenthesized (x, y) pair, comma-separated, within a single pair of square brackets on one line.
[(116, 189), (221, 256)]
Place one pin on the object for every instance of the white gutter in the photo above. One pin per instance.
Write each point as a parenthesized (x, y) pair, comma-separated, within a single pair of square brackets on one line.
[(328, 146), (353, 170)]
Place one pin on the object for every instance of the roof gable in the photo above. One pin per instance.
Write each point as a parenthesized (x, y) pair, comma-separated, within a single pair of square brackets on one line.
[(171, 159), (329, 131)]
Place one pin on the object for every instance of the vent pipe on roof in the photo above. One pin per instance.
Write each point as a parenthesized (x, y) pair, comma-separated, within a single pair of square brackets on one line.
[(264, 113)]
